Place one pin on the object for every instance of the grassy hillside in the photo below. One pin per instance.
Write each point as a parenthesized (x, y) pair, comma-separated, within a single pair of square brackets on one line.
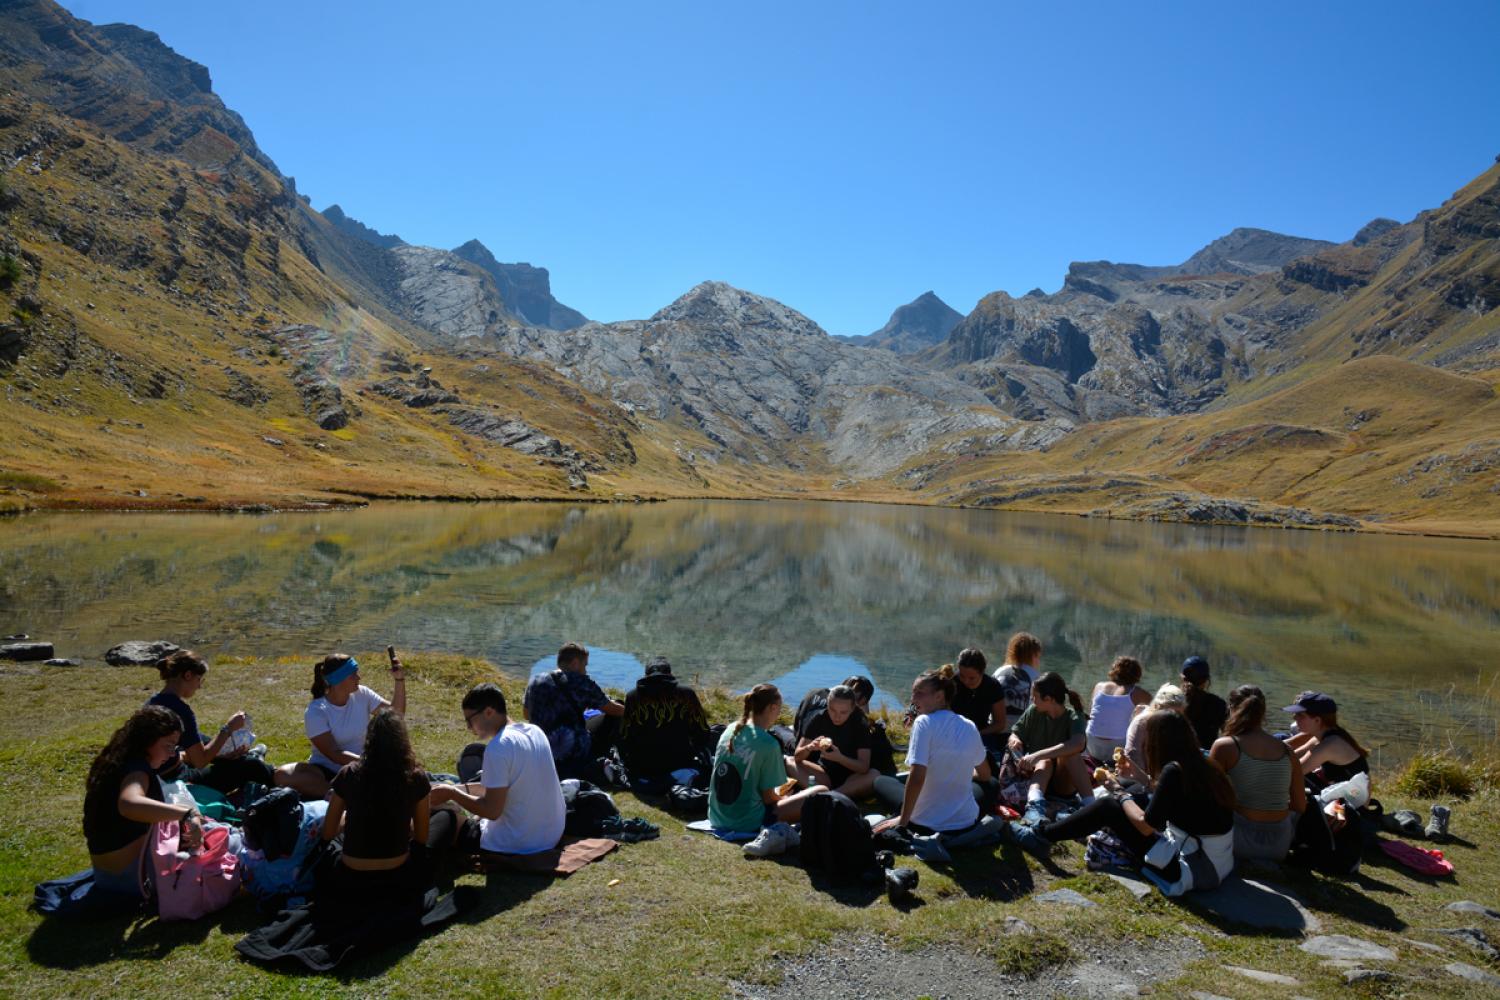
[(152, 303)]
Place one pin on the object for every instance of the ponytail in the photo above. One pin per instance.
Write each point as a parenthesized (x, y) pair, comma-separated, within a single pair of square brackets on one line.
[(1247, 710), (757, 700), (179, 662), (321, 668), (942, 679), (1051, 685)]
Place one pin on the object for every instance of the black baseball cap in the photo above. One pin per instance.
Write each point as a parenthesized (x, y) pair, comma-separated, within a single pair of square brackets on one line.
[(1195, 669), (1313, 703)]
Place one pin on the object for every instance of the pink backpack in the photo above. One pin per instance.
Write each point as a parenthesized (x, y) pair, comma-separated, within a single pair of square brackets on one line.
[(203, 883)]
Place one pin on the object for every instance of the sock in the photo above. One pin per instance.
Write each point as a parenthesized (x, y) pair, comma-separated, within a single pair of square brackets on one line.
[(1034, 794)]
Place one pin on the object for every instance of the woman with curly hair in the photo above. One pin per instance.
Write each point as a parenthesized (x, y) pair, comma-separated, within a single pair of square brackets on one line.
[(123, 798)]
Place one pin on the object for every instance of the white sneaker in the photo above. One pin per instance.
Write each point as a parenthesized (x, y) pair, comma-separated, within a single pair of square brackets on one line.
[(791, 835), (771, 840)]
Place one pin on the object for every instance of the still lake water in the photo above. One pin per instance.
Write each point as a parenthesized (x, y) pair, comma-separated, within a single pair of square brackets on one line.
[(1404, 632)]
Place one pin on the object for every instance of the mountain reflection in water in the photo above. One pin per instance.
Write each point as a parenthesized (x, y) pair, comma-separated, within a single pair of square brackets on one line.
[(1401, 630)]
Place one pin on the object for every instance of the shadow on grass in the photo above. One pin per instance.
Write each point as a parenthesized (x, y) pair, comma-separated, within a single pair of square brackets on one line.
[(72, 944)]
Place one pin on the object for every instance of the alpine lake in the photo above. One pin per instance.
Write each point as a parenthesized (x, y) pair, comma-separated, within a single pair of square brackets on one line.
[(1403, 631)]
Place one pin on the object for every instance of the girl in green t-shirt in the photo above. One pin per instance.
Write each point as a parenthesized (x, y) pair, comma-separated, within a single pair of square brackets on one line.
[(1048, 740), (744, 793)]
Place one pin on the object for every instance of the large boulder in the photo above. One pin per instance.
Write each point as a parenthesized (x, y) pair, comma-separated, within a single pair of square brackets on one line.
[(138, 653), (26, 651)]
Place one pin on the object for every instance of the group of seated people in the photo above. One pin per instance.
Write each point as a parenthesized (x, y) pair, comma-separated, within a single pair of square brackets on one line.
[(1132, 764)]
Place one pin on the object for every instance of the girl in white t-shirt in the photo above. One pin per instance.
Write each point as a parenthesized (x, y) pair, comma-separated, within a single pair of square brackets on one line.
[(946, 755), (336, 719)]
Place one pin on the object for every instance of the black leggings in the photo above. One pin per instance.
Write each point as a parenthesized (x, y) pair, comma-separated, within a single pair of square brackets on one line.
[(1101, 814), (230, 774)]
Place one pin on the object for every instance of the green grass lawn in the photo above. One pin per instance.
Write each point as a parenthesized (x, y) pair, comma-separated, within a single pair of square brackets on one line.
[(689, 913)]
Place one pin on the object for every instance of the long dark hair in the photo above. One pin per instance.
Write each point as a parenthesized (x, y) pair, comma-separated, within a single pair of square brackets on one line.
[(1332, 728), (1247, 710), (323, 666), (1169, 739), (129, 743), (384, 772), (757, 700), (1051, 685)]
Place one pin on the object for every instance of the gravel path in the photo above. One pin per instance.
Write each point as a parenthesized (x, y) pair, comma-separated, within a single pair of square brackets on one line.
[(866, 967)]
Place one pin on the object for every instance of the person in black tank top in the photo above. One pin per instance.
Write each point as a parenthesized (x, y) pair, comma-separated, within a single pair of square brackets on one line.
[(1326, 750)]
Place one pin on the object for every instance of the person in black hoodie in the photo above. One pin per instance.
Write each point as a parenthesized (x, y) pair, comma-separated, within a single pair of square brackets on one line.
[(664, 727)]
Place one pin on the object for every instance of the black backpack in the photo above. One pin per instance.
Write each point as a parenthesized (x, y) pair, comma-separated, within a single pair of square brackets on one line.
[(273, 823), (836, 838), (588, 807)]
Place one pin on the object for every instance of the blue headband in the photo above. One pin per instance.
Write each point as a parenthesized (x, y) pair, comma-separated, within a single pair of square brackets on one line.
[(340, 673)]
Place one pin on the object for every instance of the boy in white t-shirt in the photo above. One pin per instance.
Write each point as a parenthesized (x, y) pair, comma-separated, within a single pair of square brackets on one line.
[(518, 798)]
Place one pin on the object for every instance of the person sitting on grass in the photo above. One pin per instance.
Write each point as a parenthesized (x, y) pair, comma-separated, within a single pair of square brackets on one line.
[(1049, 737), (123, 798), (200, 761), (556, 701), (749, 790), (1022, 667), (945, 756), (1267, 779), (1205, 710), (663, 728), (835, 750), (336, 720), (1114, 703), (1168, 697), (379, 804), (981, 699), (1326, 751), (518, 799), (1188, 794)]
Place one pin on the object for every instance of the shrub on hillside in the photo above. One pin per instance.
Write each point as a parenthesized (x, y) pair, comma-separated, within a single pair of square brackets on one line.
[(1436, 775)]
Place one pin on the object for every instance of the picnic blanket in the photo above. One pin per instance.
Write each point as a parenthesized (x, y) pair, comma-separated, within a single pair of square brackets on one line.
[(571, 854), (733, 836)]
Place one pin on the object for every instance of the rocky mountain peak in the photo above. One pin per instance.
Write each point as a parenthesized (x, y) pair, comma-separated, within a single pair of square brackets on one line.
[(360, 231), (1249, 251), (527, 290), (1373, 230), (718, 304)]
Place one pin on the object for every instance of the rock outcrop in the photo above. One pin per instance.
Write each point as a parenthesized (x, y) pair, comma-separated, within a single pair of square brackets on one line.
[(360, 231), (448, 295), (526, 290)]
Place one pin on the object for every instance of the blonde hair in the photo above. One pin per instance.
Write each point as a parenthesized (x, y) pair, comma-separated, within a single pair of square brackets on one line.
[(1168, 696), (757, 700)]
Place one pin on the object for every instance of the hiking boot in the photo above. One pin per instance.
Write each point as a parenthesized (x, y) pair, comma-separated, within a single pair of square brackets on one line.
[(258, 751), (1036, 812), (899, 883), (930, 848), (1437, 827), (1402, 821), (770, 841), (1030, 840)]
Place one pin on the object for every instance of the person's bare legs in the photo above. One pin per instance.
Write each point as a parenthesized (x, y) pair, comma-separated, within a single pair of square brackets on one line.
[(1041, 777), (859, 786), (809, 773), (789, 809), (307, 780), (1075, 773)]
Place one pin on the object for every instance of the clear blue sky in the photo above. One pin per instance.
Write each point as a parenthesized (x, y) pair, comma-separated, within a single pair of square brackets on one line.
[(845, 156)]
